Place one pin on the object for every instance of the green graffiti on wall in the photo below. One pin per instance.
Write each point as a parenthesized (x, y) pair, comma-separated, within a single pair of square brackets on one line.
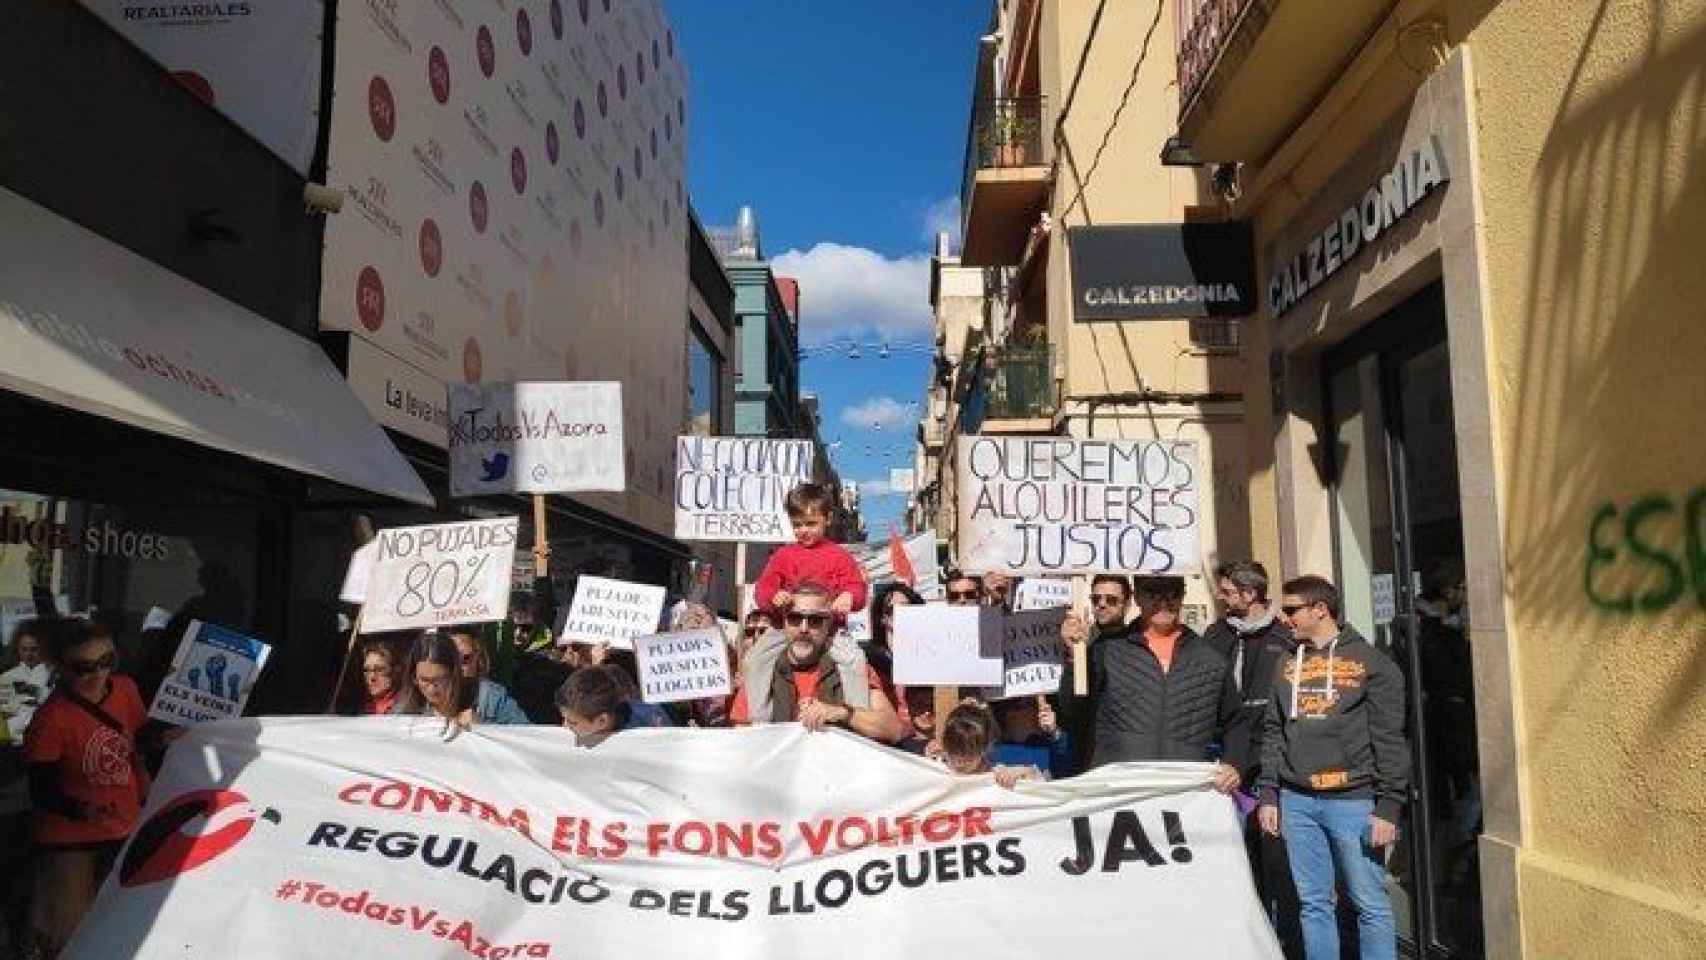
[(1638, 547)]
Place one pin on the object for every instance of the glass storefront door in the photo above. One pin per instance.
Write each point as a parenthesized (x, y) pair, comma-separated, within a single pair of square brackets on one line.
[(1398, 540)]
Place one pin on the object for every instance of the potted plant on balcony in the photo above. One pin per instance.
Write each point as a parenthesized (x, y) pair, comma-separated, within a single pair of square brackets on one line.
[(1008, 135)]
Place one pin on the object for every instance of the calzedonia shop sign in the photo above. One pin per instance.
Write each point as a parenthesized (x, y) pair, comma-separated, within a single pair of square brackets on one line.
[(1382, 205), (1162, 271)]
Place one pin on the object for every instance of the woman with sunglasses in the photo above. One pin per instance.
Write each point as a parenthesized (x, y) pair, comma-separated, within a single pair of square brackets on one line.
[(492, 700), (879, 650), (86, 781)]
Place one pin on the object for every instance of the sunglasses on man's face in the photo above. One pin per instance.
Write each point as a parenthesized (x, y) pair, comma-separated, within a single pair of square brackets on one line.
[(83, 668), (1106, 599), (962, 594), (809, 619), (1290, 610), (754, 630)]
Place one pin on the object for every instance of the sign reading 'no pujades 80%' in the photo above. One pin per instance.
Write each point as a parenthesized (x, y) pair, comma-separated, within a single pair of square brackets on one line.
[(733, 488), (536, 438), (439, 574), (1055, 505)]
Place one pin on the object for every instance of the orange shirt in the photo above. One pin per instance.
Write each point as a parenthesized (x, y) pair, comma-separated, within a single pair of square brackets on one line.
[(805, 681), (1162, 645), (93, 762)]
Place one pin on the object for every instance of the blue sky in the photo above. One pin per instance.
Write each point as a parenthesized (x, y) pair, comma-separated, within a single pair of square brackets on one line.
[(843, 125)]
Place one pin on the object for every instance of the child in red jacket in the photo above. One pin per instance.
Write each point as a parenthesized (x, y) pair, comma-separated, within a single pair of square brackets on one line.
[(810, 557)]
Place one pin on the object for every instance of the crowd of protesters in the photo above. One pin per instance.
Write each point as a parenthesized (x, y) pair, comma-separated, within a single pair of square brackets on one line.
[(1303, 719)]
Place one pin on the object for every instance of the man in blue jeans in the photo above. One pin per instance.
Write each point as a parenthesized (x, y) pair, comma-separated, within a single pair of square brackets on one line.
[(1335, 768)]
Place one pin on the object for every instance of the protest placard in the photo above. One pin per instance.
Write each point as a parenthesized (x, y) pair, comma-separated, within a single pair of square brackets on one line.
[(312, 838), (1055, 505), (439, 574), (939, 645), (611, 611), (733, 488), (1031, 654), (359, 571), (685, 665), (211, 675), (536, 438), (1042, 593), (859, 624)]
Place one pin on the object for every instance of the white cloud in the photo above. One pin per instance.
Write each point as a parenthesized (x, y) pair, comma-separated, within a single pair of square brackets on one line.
[(882, 413), (943, 216), (853, 291)]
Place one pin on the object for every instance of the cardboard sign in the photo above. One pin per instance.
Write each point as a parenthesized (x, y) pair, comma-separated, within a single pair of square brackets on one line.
[(611, 611), (733, 488), (686, 665), (439, 574), (1052, 505), (1031, 654), (332, 837), (354, 589), (536, 438), (1042, 593), (211, 676), (938, 645)]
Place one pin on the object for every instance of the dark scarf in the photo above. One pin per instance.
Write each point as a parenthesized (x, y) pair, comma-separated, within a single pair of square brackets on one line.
[(785, 696)]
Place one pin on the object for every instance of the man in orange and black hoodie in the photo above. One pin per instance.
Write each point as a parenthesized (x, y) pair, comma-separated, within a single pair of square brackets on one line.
[(1335, 769)]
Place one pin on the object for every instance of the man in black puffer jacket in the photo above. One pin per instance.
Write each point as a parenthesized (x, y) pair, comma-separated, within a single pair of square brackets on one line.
[(1157, 691)]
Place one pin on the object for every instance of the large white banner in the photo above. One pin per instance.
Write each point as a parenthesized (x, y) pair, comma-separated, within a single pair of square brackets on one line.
[(308, 838), (1056, 505), (733, 488), (438, 575), (256, 61), (515, 207), (535, 438)]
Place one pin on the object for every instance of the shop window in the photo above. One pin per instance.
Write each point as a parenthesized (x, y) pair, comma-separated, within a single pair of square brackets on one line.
[(143, 570), (704, 385)]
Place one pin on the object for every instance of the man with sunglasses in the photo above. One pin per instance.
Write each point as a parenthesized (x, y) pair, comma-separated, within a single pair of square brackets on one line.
[(800, 673), (1157, 690), (1335, 770), (963, 589)]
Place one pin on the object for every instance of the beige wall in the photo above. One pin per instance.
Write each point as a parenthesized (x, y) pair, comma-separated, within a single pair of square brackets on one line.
[(1128, 184), (1570, 244)]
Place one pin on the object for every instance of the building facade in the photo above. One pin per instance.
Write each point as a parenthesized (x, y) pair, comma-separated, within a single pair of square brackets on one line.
[(1069, 102), (711, 341), (1477, 227)]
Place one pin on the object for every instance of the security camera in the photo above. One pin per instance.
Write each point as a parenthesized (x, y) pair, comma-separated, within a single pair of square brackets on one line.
[(321, 198)]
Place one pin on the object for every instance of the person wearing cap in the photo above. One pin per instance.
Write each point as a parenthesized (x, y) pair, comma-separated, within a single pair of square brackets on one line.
[(1157, 690)]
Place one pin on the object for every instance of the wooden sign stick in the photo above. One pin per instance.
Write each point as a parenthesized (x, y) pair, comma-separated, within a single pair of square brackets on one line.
[(740, 584), (349, 654), (1081, 651), (541, 542)]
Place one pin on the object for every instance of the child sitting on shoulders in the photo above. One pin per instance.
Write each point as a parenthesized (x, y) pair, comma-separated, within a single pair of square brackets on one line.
[(811, 557)]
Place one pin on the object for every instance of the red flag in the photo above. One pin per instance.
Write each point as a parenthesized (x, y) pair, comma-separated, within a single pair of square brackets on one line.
[(898, 559)]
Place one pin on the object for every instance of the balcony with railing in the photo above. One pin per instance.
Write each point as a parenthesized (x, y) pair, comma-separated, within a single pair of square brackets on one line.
[(1013, 391), (1006, 179), (1251, 70)]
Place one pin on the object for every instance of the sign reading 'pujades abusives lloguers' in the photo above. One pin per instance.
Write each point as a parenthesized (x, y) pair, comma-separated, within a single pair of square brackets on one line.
[(1383, 204), (1138, 271)]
